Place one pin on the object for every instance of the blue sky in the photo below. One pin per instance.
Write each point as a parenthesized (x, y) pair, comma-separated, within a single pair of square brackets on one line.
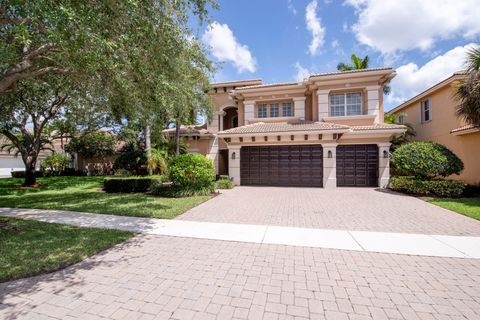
[(285, 40)]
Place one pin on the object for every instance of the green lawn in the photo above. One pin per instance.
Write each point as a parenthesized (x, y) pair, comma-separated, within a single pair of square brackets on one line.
[(469, 207), (31, 247), (84, 194)]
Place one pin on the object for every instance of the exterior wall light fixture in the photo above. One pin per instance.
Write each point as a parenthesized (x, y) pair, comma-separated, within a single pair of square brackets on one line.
[(234, 155), (330, 155), (385, 154)]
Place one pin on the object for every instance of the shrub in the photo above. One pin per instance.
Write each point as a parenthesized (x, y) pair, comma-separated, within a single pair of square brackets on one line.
[(441, 188), (131, 184), (425, 159), (224, 183), (21, 174), (130, 159), (192, 171), (176, 191), (54, 163)]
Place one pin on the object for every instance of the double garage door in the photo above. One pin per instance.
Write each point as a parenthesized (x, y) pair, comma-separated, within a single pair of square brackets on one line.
[(302, 165)]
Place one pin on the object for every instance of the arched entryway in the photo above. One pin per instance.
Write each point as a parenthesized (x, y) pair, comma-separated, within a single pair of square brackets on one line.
[(230, 118)]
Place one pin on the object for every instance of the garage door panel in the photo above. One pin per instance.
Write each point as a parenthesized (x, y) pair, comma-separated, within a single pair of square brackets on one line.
[(357, 165), (282, 165)]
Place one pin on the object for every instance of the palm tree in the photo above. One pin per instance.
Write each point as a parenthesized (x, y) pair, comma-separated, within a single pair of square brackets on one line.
[(402, 138), (359, 63), (468, 92)]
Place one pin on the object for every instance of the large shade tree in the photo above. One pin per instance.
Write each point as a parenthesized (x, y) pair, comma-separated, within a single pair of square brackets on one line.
[(468, 91), (129, 49)]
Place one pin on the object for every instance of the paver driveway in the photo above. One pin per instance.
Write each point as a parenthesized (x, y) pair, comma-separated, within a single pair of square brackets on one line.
[(343, 208), (159, 277)]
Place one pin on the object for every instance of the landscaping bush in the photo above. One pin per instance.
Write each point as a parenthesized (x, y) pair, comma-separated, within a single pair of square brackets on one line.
[(192, 171), (131, 184), (441, 188), (54, 163), (21, 174), (425, 159), (224, 183), (177, 191), (131, 159)]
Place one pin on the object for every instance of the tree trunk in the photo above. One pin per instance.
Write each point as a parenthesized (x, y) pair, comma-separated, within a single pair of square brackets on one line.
[(148, 145), (30, 175), (177, 138)]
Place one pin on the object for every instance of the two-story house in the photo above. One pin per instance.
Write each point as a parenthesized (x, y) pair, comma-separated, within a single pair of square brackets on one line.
[(325, 131), (432, 116)]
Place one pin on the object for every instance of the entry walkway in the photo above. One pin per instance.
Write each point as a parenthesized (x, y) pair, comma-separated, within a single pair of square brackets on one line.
[(383, 242)]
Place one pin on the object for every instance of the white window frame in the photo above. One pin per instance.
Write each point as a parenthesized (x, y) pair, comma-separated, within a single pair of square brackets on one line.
[(345, 105), (402, 118), (271, 106), (423, 110), (265, 114), (284, 109)]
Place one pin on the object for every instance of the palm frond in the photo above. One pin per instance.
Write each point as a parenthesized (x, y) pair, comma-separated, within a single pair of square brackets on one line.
[(473, 59)]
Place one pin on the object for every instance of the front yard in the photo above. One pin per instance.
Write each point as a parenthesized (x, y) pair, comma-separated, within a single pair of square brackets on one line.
[(31, 247), (469, 207), (84, 194)]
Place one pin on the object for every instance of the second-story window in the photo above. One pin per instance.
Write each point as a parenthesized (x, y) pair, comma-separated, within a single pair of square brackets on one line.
[(274, 110), (426, 110), (262, 110), (287, 109), (346, 104), (401, 119)]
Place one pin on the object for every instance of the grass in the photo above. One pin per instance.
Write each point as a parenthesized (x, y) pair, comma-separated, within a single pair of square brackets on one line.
[(84, 194), (469, 207), (31, 247)]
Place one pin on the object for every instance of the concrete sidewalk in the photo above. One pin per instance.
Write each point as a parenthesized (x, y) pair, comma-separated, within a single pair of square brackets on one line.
[(384, 242)]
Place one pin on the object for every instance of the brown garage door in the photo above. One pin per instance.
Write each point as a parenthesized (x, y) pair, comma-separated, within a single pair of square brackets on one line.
[(282, 166), (357, 165)]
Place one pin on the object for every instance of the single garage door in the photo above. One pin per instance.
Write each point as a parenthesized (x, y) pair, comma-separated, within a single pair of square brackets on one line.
[(282, 166), (357, 165)]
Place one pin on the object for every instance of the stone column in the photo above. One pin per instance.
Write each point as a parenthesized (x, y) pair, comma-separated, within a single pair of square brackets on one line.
[(329, 165), (322, 104), (249, 110), (299, 107), (373, 102), (383, 164), (213, 151), (234, 163)]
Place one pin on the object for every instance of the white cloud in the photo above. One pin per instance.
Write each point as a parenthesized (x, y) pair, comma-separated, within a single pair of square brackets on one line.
[(337, 47), (412, 79), (392, 26), (315, 27), (291, 7), (302, 72), (225, 47)]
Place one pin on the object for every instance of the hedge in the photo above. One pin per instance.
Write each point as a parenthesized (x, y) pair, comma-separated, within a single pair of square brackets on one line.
[(192, 171), (176, 191), (131, 184), (441, 188)]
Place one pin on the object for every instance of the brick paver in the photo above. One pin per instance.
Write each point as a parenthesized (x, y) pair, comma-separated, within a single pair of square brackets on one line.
[(159, 277), (343, 208)]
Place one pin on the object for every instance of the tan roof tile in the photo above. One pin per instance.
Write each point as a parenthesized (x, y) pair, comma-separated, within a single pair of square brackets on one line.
[(262, 127), (349, 71), (383, 126), (465, 127), (189, 130)]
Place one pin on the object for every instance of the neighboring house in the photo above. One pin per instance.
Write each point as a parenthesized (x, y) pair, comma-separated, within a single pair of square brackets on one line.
[(325, 131), (432, 116)]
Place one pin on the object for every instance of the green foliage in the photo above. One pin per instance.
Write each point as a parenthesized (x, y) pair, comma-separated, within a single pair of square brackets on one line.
[(21, 174), (357, 63), (131, 184), (157, 162), (131, 159), (441, 188), (32, 247), (224, 183), (54, 163), (398, 140), (468, 93), (425, 159), (176, 191), (193, 171), (94, 144)]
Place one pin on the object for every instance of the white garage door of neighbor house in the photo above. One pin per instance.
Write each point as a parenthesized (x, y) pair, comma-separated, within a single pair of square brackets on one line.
[(7, 165)]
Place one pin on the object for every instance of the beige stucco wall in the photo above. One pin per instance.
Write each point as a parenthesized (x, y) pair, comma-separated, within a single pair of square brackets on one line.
[(198, 146), (467, 147)]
